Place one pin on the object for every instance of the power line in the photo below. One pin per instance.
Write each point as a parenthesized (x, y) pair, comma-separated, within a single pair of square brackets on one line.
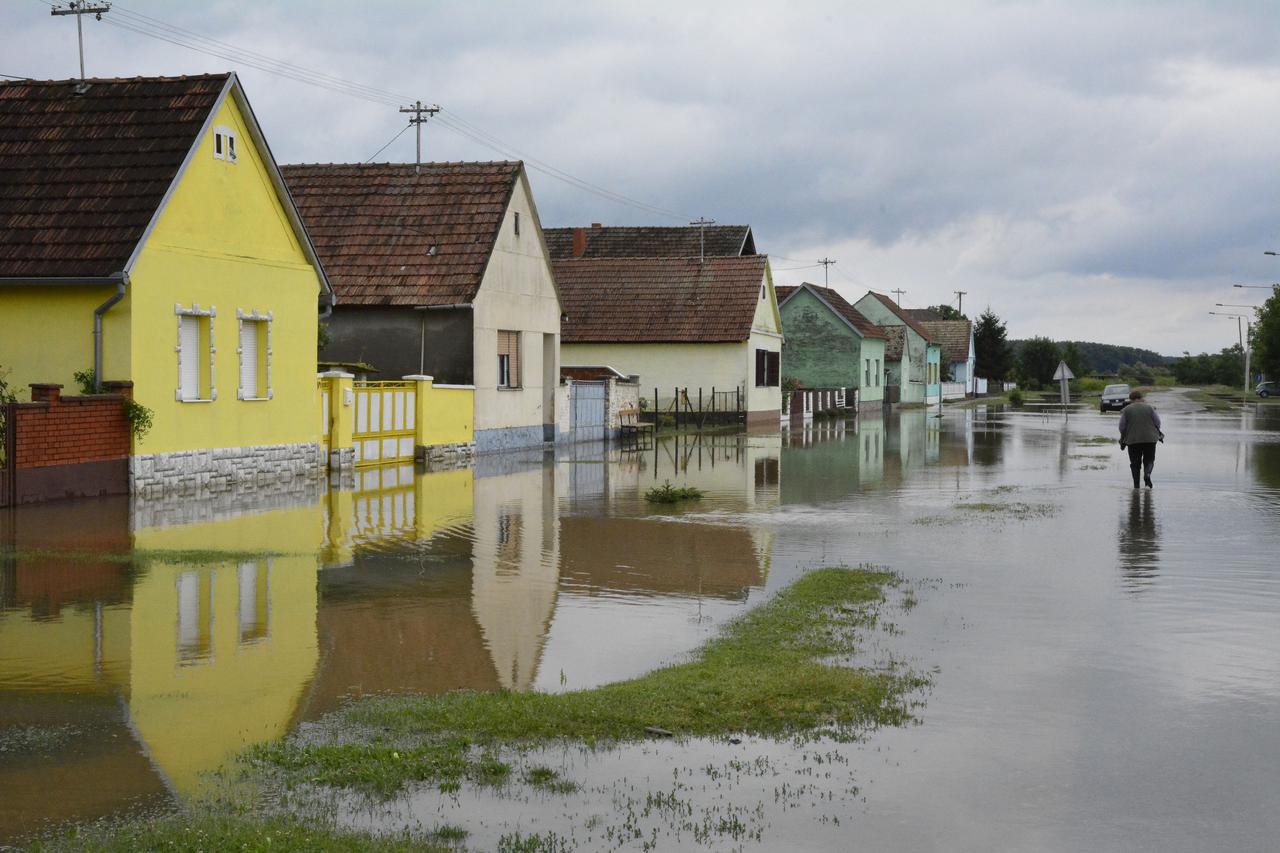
[(180, 37), (15, 77), (388, 145)]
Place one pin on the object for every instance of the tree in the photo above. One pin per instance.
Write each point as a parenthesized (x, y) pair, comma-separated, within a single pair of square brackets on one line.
[(1075, 359), (1225, 368), (994, 358), (1265, 337), (946, 312), (1037, 361)]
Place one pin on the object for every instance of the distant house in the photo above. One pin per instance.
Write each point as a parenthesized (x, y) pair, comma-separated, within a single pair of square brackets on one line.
[(955, 337), (913, 358), (830, 345), (146, 234), (678, 323), (683, 241), (442, 271)]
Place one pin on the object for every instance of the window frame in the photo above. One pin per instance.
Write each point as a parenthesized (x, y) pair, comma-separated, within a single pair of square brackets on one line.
[(224, 144), (507, 381), (263, 322), (207, 318)]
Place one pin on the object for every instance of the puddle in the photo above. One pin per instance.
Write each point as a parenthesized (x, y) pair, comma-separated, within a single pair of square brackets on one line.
[(1104, 670)]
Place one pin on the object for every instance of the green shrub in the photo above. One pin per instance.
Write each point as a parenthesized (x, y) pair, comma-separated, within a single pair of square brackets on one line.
[(140, 418), (1015, 397), (87, 380), (668, 494)]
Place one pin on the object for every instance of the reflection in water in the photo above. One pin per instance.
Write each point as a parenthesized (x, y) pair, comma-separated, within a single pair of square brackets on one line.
[(1139, 540)]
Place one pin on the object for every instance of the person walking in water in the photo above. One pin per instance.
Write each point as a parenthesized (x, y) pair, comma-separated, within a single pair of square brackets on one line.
[(1139, 432)]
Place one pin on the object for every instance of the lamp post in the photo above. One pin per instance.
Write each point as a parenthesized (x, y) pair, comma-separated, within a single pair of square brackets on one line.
[(1242, 322)]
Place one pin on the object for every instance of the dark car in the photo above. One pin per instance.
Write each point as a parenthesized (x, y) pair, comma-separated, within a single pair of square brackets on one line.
[(1267, 389), (1114, 397)]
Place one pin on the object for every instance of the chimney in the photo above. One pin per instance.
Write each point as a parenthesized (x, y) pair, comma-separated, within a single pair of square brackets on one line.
[(46, 393), (579, 242), (595, 226)]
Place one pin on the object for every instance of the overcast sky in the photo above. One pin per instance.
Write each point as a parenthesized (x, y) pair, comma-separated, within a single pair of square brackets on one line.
[(1099, 171)]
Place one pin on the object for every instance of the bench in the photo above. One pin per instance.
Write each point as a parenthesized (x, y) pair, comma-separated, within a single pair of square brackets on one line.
[(629, 422)]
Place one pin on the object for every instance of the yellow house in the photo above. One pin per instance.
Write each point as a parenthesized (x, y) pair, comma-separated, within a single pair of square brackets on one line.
[(146, 233)]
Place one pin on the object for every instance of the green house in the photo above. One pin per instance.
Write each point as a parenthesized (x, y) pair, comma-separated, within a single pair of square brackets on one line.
[(914, 358), (830, 344)]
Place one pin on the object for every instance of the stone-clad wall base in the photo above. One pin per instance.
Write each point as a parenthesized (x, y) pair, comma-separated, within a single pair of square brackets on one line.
[(446, 457), (194, 472), (510, 438)]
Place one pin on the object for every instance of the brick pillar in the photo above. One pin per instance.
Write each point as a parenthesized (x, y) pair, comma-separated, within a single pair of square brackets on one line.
[(46, 393), (122, 387)]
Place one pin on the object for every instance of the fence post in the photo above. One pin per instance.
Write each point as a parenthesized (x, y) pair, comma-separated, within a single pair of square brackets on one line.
[(342, 399), (421, 412)]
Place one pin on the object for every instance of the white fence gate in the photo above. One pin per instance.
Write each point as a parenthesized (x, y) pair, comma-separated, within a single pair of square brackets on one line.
[(587, 411)]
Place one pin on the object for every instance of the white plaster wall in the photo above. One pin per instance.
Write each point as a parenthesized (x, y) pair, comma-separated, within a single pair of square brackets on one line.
[(517, 294), (671, 366)]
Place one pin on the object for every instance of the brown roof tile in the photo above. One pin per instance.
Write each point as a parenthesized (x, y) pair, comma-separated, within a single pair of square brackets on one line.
[(652, 242), (952, 336), (659, 300), (375, 226), (81, 175), (902, 315), (840, 305)]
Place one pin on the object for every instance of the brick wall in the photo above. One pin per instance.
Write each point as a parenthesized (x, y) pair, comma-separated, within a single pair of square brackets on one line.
[(57, 430)]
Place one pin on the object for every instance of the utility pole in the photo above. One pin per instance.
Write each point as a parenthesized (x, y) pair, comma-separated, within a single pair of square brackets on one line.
[(702, 222), (80, 8), (826, 265), (960, 296), (420, 116), (898, 293)]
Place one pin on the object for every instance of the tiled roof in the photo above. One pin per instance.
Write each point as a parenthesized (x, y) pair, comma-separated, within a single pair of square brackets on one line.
[(659, 300), (388, 236), (922, 314), (651, 242), (895, 335), (81, 175), (952, 335), (903, 316), (840, 305)]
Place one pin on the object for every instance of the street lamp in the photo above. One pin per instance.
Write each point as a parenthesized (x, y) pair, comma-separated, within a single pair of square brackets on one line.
[(1258, 286), (1240, 329), (1233, 305)]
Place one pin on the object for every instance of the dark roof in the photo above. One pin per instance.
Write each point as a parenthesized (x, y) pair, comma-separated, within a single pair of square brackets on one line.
[(659, 300), (902, 315), (82, 175), (592, 373), (652, 242), (952, 336), (922, 314), (375, 226), (840, 305), (895, 335)]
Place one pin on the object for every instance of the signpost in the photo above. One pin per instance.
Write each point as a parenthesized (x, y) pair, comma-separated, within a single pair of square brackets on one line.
[(1062, 374)]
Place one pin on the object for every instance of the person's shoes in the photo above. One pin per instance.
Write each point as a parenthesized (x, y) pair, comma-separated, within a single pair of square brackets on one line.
[(1147, 480)]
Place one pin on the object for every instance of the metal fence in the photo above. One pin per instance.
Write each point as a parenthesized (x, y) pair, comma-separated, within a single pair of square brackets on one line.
[(384, 422), (694, 406)]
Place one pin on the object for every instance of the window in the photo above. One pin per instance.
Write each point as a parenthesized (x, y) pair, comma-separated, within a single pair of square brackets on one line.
[(195, 617), (224, 144), (517, 221), (254, 582), (762, 293), (195, 355), (768, 366), (508, 359), (255, 355), (867, 381), (878, 374)]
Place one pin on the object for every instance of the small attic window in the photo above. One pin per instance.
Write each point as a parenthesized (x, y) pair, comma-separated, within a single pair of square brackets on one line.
[(517, 219), (224, 144)]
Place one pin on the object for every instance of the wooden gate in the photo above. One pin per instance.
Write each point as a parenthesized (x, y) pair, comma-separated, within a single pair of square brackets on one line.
[(384, 424)]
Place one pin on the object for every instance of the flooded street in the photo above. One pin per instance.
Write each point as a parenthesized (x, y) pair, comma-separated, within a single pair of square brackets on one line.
[(1104, 661)]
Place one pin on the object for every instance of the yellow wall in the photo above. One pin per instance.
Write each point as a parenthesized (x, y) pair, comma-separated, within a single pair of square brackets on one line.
[(445, 415), (224, 242), (56, 655), (46, 335)]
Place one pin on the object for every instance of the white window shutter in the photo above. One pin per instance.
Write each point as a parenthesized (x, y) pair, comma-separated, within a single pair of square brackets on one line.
[(248, 360), (189, 357)]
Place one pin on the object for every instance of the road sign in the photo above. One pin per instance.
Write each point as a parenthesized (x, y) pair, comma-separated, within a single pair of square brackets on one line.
[(1063, 372)]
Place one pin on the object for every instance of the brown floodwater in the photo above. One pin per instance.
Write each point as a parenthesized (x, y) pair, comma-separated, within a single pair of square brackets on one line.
[(1105, 663)]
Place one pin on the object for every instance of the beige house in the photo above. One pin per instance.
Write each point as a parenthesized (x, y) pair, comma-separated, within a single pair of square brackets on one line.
[(707, 327), (441, 271)]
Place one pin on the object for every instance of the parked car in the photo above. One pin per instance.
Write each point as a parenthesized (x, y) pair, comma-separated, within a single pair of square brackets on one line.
[(1267, 389), (1114, 397)]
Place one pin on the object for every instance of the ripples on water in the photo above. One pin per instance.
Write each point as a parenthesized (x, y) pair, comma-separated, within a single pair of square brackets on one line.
[(1106, 659)]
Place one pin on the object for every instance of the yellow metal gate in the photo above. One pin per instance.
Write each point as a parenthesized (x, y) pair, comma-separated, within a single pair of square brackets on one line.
[(384, 428)]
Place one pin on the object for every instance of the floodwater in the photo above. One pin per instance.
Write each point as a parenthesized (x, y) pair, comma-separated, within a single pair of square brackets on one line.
[(1105, 663)]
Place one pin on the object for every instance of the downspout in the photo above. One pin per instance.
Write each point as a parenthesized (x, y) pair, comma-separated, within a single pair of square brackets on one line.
[(121, 280), (326, 306)]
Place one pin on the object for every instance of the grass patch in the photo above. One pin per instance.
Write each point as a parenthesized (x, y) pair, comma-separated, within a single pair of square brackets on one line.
[(548, 780), (1217, 398), (1094, 440), (669, 494), (142, 557), (203, 833), (780, 669), (1017, 509)]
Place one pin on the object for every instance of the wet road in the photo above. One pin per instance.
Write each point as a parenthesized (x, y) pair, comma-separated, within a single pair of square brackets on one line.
[(1104, 661)]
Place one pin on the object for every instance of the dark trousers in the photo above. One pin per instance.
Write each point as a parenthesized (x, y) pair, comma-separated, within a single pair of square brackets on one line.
[(1142, 458)]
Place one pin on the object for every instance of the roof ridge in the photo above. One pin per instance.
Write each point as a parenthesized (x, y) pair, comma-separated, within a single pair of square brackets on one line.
[(142, 78), (505, 163)]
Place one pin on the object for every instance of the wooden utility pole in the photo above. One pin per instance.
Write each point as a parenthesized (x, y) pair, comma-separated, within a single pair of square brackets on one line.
[(80, 8), (702, 222), (420, 116), (898, 293), (826, 265), (960, 297)]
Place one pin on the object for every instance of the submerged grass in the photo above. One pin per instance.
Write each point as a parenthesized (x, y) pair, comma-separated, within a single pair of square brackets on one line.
[(141, 557), (777, 670), (207, 832), (1016, 509)]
